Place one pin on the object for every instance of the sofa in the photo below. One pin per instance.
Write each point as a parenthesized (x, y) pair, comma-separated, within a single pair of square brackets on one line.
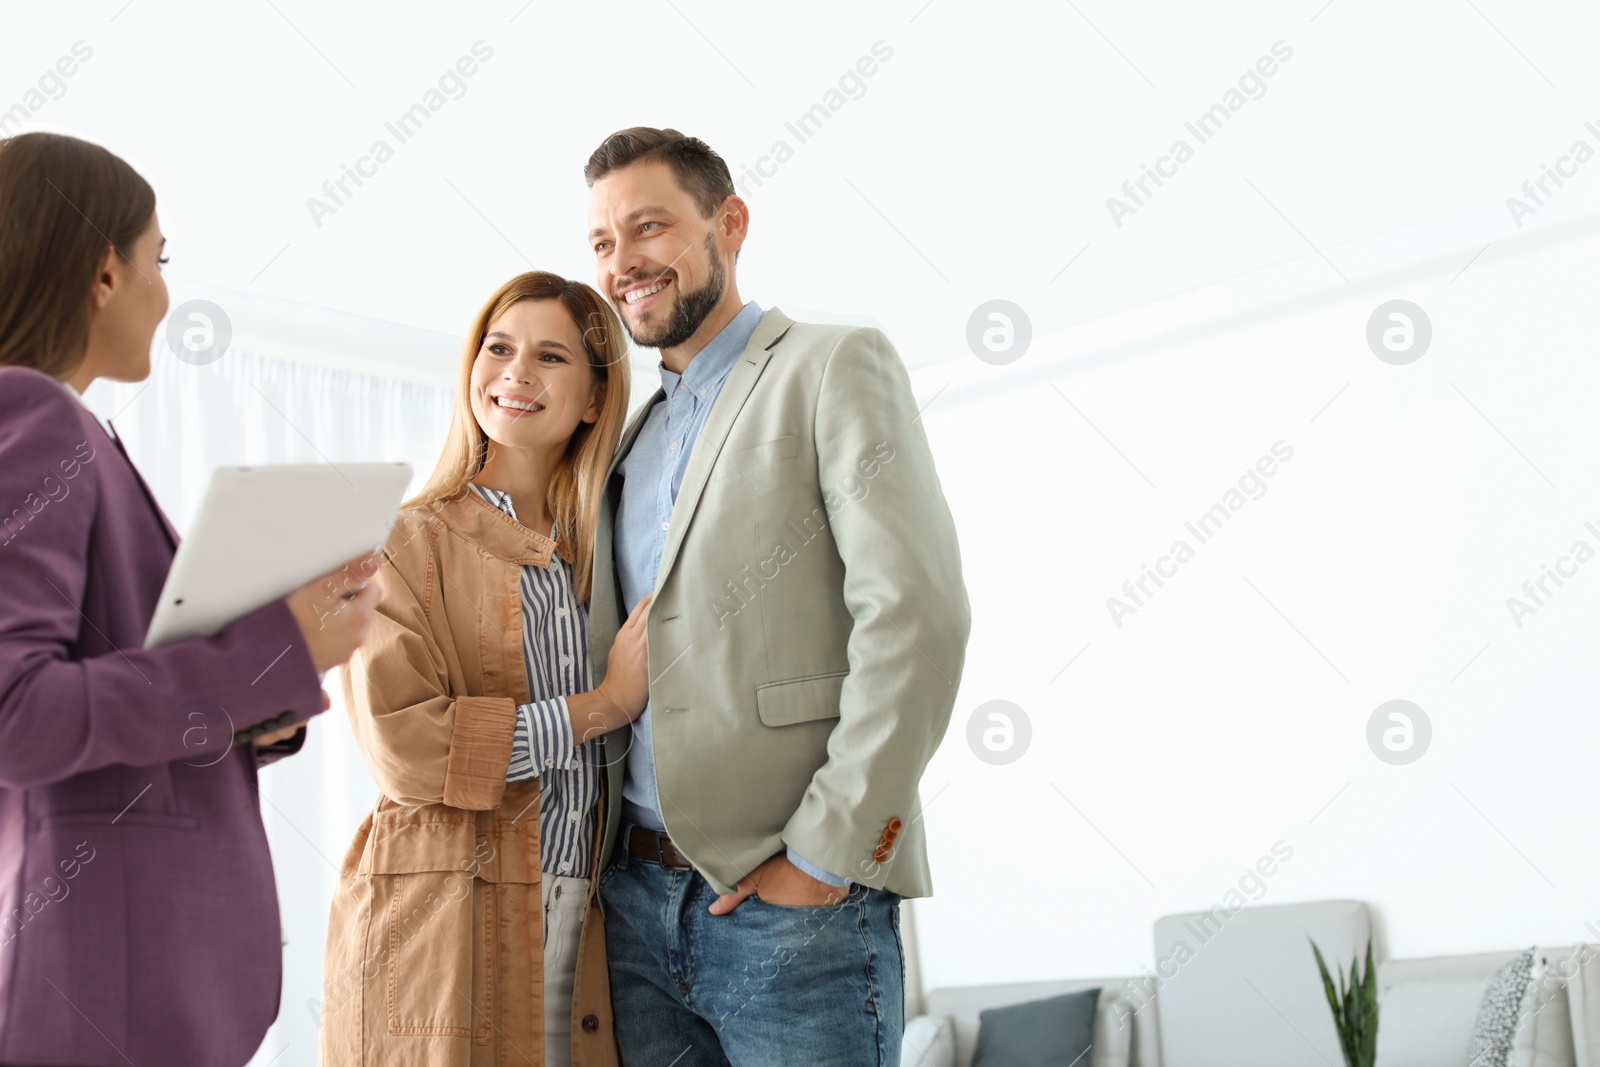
[(1241, 989), (1124, 1036), (1426, 1009)]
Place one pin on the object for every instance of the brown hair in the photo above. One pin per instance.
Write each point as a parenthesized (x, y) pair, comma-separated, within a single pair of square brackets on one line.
[(698, 169), (574, 494), (63, 202)]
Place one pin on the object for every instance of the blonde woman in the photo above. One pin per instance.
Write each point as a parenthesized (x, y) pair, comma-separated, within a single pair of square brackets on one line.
[(465, 929)]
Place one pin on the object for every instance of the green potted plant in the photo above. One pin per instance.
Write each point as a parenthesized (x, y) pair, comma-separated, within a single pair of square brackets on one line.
[(1355, 1009)]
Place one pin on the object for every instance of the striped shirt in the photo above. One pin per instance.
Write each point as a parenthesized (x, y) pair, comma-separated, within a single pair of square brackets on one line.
[(556, 650)]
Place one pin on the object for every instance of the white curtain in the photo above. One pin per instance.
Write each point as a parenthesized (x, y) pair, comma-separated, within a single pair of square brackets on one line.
[(250, 408)]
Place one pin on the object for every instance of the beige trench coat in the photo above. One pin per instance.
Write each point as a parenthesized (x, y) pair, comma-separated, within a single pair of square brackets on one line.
[(435, 941)]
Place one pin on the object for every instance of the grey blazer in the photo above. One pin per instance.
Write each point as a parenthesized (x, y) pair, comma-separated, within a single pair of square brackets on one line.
[(809, 622)]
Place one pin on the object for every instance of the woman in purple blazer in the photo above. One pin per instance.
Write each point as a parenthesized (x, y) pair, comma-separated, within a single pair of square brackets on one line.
[(138, 915)]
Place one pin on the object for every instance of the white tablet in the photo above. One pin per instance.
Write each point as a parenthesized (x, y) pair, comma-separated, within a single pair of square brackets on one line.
[(263, 532)]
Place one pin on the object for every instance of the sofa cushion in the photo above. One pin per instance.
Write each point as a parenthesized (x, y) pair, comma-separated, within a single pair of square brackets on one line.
[(1239, 988), (1582, 970), (1426, 1007), (1124, 1028), (1498, 1012), (1056, 1032), (929, 1041), (1543, 1037)]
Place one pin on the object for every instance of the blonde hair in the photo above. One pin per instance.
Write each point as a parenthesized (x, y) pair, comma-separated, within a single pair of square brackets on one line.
[(574, 494)]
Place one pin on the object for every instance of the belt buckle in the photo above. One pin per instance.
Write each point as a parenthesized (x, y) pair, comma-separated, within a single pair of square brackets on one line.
[(653, 836), (663, 842)]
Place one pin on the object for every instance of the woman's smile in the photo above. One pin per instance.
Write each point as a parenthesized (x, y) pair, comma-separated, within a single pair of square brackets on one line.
[(515, 405)]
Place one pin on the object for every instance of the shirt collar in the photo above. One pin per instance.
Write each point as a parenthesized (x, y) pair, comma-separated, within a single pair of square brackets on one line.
[(104, 422), (712, 363)]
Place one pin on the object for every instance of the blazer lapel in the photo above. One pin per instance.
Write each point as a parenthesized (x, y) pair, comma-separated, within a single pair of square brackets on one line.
[(605, 603), (605, 618), (630, 432), (735, 391), (161, 516)]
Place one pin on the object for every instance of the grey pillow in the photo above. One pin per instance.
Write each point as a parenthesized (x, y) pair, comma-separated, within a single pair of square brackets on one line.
[(1055, 1032), (1497, 1013)]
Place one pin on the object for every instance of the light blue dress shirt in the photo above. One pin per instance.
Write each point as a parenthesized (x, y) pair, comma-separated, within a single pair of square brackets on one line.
[(652, 472)]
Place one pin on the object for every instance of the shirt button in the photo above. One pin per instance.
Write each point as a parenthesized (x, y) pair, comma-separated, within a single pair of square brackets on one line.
[(573, 816), (664, 525), (702, 392), (561, 613), (673, 447), (566, 661), (549, 762), (566, 865)]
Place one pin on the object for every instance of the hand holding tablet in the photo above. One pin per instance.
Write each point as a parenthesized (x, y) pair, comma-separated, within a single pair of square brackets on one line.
[(288, 525), (334, 610), (287, 522)]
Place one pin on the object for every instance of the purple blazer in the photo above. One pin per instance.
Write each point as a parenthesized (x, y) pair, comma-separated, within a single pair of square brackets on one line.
[(138, 915)]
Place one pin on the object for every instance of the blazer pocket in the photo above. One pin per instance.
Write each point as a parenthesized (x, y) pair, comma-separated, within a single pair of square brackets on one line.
[(757, 464), (805, 699)]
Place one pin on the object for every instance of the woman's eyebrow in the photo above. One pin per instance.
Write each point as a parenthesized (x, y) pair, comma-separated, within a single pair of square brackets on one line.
[(538, 344)]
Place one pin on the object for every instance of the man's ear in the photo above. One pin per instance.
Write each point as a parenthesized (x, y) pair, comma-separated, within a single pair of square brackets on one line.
[(105, 280), (733, 222)]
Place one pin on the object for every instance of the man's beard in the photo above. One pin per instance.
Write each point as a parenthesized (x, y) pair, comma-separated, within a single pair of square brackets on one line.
[(689, 309)]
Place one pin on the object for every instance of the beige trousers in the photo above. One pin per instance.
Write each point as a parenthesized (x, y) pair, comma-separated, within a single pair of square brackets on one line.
[(566, 901)]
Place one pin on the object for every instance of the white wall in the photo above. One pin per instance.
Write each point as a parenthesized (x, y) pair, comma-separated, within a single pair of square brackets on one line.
[(976, 162), (1230, 712)]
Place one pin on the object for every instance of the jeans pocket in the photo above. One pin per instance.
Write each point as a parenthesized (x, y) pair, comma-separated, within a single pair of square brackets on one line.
[(605, 877), (793, 907), (856, 894)]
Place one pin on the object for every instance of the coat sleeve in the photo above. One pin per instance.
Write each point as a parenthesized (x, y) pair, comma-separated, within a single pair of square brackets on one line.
[(422, 743), (904, 590), (61, 715)]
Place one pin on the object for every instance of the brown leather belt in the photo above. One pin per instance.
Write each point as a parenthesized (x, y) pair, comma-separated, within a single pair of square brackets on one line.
[(649, 845)]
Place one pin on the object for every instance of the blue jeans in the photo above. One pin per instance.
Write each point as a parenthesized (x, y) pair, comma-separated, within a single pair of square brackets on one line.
[(766, 986)]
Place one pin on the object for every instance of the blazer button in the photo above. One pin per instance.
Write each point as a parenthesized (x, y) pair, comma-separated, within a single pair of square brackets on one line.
[(894, 826), (590, 1024)]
